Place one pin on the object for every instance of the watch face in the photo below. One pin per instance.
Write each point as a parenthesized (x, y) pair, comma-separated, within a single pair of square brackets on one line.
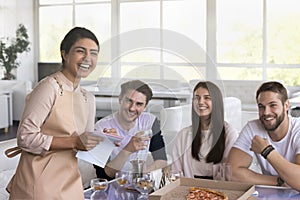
[(280, 182)]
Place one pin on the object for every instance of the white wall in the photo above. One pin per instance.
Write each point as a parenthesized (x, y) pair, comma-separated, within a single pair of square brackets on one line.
[(12, 13)]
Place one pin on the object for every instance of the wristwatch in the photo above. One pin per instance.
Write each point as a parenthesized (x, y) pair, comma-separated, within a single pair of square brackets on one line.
[(280, 181)]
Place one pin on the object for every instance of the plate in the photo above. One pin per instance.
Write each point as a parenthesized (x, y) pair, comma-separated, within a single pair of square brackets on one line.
[(113, 138)]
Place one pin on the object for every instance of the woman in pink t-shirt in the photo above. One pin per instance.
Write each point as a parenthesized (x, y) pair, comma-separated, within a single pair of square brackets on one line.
[(209, 139)]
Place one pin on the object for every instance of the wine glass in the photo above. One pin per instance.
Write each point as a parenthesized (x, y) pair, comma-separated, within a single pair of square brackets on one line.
[(122, 182), (174, 175), (137, 168), (99, 185), (146, 133), (144, 185), (122, 178)]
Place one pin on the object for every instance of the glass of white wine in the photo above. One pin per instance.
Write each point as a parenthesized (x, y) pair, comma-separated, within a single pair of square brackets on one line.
[(144, 185), (146, 133), (174, 175), (99, 186), (122, 178)]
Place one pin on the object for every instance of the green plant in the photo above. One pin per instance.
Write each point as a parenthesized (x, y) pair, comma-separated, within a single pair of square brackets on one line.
[(10, 48)]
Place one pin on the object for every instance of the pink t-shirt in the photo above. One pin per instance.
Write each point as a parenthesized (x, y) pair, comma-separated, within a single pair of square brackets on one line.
[(182, 157)]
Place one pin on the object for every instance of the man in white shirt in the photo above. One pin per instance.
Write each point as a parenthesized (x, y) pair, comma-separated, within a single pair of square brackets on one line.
[(273, 139), (128, 122)]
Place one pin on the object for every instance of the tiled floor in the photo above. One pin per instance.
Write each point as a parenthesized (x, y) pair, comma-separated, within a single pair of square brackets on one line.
[(12, 132)]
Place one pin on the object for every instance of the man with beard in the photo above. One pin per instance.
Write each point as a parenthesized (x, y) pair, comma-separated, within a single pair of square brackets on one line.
[(131, 122), (274, 139)]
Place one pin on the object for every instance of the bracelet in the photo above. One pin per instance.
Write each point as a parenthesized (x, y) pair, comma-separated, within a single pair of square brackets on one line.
[(280, 181), (267, 151)]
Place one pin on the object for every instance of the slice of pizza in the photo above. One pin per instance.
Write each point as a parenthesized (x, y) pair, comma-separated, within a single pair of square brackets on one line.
[(197, 193)]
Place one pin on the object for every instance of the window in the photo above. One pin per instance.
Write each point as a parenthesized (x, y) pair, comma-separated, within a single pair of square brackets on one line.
[(181, 39), (261, 43), (92, 14)]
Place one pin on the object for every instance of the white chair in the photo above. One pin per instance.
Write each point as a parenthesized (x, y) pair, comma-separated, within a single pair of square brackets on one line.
[(175, 118), (172, 120), (4, 123), (7, 167), (233, 112)]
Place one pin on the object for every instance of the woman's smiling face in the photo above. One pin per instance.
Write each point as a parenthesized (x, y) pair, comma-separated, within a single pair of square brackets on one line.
[(202, 103), (81, 59)]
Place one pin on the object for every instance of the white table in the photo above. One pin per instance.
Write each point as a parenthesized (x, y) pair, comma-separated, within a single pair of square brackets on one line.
[(107, 99), (168, 96), (262, 193), (8, 93)]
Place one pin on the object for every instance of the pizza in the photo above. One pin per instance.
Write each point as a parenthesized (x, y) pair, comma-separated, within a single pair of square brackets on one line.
[(205, 194)]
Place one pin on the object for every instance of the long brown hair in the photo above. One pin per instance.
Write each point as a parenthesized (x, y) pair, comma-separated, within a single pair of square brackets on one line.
[(217, 128)]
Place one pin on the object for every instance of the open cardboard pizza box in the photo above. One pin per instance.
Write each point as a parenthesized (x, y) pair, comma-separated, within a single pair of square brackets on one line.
[(180, 188)]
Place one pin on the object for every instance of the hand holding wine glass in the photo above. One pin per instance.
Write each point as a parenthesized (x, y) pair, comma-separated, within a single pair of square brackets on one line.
[(138, 142), (143, 137)]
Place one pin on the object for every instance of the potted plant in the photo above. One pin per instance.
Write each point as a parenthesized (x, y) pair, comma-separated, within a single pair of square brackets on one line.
[(10, 48)]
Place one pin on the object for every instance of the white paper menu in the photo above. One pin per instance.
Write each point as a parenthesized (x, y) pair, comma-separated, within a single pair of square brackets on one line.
[(99, 154)]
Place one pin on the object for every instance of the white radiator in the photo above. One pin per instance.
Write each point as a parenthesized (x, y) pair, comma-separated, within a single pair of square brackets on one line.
[(4, 123)]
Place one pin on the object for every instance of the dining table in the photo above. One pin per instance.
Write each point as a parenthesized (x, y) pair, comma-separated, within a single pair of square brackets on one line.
[(115, 192), (262, 192)]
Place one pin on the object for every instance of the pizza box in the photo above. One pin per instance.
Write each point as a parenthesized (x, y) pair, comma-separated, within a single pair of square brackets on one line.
[(180, 188)]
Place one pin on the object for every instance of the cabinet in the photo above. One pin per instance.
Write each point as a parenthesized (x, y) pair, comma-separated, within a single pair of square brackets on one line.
[(4, 107)]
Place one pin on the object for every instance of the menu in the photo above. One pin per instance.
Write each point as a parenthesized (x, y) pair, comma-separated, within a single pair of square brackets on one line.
[(99, 154)]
